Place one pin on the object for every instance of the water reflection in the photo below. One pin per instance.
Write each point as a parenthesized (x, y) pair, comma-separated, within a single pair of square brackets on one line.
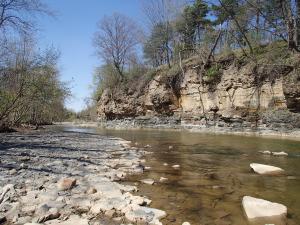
[(214, 174)]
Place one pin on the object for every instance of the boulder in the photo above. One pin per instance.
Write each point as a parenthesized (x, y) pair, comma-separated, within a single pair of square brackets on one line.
[(266, 169), (258, 209)]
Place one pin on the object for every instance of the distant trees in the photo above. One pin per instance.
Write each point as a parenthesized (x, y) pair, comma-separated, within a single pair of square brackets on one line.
[(178, 29), (116, 40), (30, 89)]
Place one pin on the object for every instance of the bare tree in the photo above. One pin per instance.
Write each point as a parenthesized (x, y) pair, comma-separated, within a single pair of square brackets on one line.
[(17, 15), (116, 40)]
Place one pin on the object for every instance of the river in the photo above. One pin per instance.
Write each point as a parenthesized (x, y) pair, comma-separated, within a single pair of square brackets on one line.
[(214, 174)]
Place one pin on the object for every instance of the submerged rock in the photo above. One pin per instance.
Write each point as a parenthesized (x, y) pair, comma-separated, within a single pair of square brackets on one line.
[(256, 209), (266, 169)]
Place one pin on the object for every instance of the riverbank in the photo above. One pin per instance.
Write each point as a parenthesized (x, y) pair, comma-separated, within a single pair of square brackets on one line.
[(55, 177)]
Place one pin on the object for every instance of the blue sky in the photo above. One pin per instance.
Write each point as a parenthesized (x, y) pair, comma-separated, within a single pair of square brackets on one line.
[(72, 33)]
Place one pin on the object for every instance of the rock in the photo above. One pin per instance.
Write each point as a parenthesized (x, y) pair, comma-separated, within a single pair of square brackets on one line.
[(110, 213), (72, 220), (147, 146), (23, 166), (261, 209), (147, 167), (148, 181), (266, 169), (91, 191), (279, 154), (186, 223), (170, 147), (163, 179), (265, 152), (176, 166), (13, 172), (66, 184), (106, 204), (165, 164), (145, 215)]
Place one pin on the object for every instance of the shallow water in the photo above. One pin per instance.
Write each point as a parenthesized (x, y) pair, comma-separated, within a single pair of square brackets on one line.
[(214, 174)]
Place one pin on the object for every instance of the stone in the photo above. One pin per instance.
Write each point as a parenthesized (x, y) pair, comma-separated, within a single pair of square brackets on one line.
[(66, 184), (186, 223), (170, 147), (265, 152), (163, 179), (176, 166), (72, 220), (148, 181), (91, 191), (165, 164), (266, 169), (279, 154), (256, 208), (13, 172), (147, 167)]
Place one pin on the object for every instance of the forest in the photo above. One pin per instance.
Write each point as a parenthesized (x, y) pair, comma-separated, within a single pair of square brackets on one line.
[(30, 89), (178, 30)]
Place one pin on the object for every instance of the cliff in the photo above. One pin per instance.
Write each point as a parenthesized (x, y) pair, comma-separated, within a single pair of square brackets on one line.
[(232, 91)]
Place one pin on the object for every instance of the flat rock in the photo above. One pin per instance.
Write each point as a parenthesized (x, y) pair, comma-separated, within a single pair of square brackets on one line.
[(73, 219), (279, 154), (256, 208), (163, 179), (148, 181), (265, 152), (266, 169), (176, 166)]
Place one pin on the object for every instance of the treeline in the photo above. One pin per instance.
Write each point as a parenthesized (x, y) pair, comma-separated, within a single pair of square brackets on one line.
[(30, 89), (179, 29)]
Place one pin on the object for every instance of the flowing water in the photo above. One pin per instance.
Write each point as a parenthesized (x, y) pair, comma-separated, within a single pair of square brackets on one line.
[(214, 174)]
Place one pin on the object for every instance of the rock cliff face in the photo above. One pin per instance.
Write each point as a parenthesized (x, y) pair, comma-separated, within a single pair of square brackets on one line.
[(230, 91)]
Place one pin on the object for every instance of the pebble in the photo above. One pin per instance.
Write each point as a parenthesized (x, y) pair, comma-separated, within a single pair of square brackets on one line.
[(66, 184)]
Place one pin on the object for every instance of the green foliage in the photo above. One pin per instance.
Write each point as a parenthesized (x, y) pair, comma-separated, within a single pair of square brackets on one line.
[(213, 71)]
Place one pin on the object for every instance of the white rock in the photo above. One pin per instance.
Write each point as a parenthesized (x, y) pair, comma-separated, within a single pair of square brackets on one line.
[(265, 152), (279, 154), (266, 169), (166, 164), (170, 147), (258, 208), (186, 223), (163, 179), (148, 181), (147, 167), (176, 166)]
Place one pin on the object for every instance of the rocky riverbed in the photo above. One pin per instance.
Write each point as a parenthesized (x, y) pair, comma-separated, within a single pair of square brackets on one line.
[(68, 178)]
